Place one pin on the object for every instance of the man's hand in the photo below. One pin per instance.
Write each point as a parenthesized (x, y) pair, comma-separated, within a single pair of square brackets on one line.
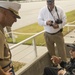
[(8, 72), (55, 26), (49, 22), (56, 60), (61, 72), (2, 72)]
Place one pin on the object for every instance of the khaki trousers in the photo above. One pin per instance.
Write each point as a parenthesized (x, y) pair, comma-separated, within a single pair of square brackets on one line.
[(57, 39)]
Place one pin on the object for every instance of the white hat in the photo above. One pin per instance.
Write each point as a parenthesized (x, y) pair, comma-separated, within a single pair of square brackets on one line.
[(14, 7)]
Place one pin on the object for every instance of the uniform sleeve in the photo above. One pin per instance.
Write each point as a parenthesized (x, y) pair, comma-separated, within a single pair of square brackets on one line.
[(1, 71), (1, 45)]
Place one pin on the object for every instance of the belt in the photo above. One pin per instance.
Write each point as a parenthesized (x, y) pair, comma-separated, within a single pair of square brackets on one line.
[(56, 32), (7, 67)]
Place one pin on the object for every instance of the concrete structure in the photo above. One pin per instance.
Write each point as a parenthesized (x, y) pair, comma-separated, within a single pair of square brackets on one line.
[(36, 67)]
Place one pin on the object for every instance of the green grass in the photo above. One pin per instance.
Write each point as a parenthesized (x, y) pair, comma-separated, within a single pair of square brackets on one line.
[(70, 16), (17, 65), (35, 28), (30, 28)]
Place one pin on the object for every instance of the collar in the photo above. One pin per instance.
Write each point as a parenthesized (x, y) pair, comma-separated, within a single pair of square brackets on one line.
[(52, 9)]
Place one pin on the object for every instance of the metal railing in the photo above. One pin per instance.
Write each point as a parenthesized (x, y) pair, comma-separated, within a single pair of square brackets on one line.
[(33, 42), (33, 39)]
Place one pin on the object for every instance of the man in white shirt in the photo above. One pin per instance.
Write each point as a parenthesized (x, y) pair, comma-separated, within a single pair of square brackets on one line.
[(53, 18)]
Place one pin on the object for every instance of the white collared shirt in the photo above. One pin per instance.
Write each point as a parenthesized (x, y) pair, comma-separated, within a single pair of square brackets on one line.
[(45, 15)]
